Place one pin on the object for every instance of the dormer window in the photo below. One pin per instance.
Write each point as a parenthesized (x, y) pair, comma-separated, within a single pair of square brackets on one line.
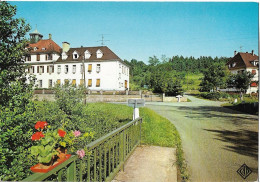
[(64, 56), (99, 53), (87, 54), (234, 64), (35, 48), (43, 48), (75, 55)]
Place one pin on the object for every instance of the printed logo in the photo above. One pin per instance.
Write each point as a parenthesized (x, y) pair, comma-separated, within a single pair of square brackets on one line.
[(244, 171)]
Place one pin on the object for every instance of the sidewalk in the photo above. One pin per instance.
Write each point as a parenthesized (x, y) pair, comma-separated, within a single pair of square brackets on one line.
[(150, 164)]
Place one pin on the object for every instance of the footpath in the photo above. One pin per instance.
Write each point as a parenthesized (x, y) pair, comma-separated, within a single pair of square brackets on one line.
[(150, 164)]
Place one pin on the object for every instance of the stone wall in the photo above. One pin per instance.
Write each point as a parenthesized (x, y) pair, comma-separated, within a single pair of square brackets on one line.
[(105, 98), (174, 99)]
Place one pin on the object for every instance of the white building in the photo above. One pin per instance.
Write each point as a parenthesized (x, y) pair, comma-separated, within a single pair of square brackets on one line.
[(245, 62), (98, 67)]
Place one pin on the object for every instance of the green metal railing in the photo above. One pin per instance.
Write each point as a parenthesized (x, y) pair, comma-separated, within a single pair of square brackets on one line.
[(105, 157)]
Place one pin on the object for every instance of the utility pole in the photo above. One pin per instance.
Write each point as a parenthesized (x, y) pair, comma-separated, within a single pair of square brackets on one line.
[(102, 39)]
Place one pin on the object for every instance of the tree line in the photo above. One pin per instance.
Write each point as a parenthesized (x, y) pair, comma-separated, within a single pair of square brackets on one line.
[(167, 75)]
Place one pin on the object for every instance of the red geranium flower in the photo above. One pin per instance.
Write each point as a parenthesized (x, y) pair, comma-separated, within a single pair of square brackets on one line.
[(62, 133), (37, 136), (40, 124)]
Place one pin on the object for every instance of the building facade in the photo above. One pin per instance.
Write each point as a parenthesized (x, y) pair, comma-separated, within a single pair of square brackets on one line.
[(245, 62), (98, 68)]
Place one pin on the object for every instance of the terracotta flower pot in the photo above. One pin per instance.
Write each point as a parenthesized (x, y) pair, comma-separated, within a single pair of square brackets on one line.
[(43, 168), (62, 153)]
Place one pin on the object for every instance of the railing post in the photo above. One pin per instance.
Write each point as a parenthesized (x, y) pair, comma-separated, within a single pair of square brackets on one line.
[(140, 131), (71, 172)]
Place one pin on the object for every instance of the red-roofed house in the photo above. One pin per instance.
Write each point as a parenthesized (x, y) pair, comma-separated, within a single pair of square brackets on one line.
[(98, 68), (245, 62)]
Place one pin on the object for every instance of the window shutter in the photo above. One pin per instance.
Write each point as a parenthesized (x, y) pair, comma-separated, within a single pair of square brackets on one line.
[(89, 82), (38, 57), (98, 83), (89, 67), (73, 82), (46, 57), (47, 69), (81, 81), (37, 69), (52, 69), (33, 68), (42, 69)]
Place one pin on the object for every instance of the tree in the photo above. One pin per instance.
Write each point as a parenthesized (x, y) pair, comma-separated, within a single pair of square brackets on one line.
[(215, 76), (153, 61), (16, 108), (242, 81)]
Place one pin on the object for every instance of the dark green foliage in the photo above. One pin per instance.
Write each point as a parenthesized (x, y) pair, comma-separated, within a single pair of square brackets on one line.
[(242, 80), (141, 73), (215, 76), (16, 109), (214, 95)]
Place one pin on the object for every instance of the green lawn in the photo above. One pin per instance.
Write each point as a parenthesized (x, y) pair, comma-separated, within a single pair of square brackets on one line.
[(193, 81), (159, 131)]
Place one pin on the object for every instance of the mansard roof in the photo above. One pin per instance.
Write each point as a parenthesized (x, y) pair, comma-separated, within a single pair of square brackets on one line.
[(107, 54), (44, 46)]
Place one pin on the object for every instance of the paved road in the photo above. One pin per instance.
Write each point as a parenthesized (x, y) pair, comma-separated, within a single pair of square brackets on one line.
[(216, 140)]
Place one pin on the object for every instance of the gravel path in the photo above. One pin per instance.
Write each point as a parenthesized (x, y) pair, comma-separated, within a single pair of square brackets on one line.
[(216, 140)]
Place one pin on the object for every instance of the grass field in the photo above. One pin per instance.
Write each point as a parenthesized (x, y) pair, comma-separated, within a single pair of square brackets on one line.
[(193, 81)]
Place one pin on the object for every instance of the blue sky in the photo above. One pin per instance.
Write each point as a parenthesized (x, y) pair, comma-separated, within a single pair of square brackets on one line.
[(142, 29)]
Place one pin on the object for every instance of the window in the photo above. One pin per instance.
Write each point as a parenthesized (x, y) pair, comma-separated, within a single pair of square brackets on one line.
[(253, 72), (58, 82), (98, 83), (43, 48), (40, 69), (40, 83), (35, 48), (125, 83), (119, 75), (74, 82), (28, 58), (233, 64), (31, 69), (253, 84), (74, 69), (81, 68), (98, 68), (66, 81), (50, 83), (66, 69), (59, 69), (90, 82), (119, 65), (38, 57), (50, 69), (123, 69), (127, 71), (81, 82), (89, 67), (99, 53), (48, 56), (87, 54), (75, 55), (119, 85)]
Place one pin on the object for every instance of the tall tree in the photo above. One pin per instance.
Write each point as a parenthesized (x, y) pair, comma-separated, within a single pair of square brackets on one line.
[(243, 80), (16, 108), (214, 76)]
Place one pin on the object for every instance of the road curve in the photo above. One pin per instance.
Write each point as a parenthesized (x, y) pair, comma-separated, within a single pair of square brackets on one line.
[(216, 141)]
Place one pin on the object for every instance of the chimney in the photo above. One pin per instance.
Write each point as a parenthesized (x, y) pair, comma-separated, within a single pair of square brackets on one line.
[(252, 52), (49, 36), (235, 52), (65, 46)]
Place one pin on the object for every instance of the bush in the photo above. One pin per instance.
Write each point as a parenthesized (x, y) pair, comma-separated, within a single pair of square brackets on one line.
[(214, 95)]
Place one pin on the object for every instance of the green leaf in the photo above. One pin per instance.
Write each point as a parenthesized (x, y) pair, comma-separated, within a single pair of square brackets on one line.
[(34, 150)]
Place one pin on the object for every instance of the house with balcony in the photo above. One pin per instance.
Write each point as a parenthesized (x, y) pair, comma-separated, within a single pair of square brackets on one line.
[(244, 61), (98, 68)]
